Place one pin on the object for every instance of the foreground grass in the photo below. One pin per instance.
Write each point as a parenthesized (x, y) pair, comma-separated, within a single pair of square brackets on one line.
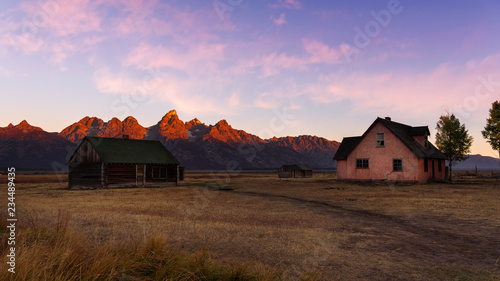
[(56, 253), (257, 227)]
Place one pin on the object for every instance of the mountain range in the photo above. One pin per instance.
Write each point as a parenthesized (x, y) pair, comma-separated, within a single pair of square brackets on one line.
[(478, 161), (195, 144)]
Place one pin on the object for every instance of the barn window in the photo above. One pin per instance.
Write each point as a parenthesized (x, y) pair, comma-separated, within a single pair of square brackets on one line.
[(159, 173), (426, 165), (439, 166), (380, 140), (397, 165), (362, 163)]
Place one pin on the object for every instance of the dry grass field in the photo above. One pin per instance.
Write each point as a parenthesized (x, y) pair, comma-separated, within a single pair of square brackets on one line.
[(257, 227)]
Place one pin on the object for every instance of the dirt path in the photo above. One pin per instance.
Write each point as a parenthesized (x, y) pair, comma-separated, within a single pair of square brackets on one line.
[(431, 238)]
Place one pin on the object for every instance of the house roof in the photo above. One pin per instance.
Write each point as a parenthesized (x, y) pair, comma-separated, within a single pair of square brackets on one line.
[(130, 151), (346, 146), (403, 132)]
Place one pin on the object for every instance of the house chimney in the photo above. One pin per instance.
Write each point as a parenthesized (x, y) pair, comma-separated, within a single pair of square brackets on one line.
[(388, 118), (125, 137)]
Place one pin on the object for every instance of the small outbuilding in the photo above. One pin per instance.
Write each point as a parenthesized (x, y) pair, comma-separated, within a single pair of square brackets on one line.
[(295, 171), (111, 162)]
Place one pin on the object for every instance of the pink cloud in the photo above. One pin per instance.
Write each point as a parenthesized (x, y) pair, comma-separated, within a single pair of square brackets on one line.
[(111, 83), (288, 4), (184, 25), (196, 59), (65, 18), (321, 53), (279, 21), (271, 64), (170, 91), (414, 94), (267, 101)]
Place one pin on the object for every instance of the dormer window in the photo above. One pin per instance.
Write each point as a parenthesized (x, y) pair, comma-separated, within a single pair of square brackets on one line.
[(380, 140)]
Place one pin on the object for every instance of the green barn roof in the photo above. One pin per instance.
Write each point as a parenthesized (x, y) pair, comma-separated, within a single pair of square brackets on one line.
[(129, 151)]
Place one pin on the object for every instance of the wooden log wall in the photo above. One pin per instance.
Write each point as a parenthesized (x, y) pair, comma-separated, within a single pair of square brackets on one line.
[(284, 174), (171, 173), (120, 173), (84, 175)]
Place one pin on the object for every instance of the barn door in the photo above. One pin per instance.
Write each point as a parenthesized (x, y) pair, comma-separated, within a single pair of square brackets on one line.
[(139, 176)]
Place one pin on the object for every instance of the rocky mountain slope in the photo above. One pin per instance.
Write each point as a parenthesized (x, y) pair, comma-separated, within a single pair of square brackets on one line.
[(26, 147)]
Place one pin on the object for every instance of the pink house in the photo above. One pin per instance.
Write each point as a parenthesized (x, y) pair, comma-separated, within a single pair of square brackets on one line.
[(390, 151)]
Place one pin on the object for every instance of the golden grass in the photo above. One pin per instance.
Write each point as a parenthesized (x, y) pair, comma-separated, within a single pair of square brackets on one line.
[(59, 254), (290, 229)]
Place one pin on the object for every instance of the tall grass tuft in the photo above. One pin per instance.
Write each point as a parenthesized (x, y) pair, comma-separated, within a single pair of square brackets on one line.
[(57, 253)]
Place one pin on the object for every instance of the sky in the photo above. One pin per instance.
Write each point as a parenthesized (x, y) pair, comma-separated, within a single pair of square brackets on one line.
[(269, 67)]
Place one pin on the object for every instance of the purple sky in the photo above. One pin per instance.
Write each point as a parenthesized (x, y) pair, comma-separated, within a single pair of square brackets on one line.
[(332, 66)]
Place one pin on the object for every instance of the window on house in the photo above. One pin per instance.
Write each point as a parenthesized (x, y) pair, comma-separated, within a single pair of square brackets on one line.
[(159, 173), (363, 163), (426, 165), (439, 166), (397, 165), (380, 140)]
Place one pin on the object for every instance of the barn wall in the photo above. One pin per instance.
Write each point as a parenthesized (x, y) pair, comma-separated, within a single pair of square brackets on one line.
[(84, 175), (284, 174), (85, 154), (171, 173), (308, 173), (121, 174)]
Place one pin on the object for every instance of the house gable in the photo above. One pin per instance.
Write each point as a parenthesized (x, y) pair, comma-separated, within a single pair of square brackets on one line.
[(380, 158)]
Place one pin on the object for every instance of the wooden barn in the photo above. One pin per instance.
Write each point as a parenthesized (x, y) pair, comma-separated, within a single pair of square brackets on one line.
[(295, 171), (109, 162)]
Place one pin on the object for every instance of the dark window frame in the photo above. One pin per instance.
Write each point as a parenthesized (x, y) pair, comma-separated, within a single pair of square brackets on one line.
[(362, 163), (158, 172), (397, 164), (440, 169), (380, 141), (426, 165)]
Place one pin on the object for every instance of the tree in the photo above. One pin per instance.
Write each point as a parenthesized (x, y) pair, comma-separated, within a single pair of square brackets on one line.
[(492, 130), (452, 139)]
